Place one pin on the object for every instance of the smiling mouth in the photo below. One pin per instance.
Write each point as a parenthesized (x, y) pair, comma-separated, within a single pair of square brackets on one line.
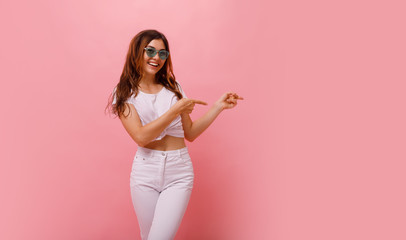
[(153, 64)]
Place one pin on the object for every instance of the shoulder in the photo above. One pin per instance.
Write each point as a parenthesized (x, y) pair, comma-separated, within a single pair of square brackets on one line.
[(178, 84), (181, 90)]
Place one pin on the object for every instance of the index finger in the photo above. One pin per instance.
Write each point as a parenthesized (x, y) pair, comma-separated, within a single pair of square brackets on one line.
[(199, 102), (238, 97)]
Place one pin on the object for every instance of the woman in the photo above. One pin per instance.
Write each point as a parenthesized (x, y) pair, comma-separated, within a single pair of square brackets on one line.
[(157, 119)]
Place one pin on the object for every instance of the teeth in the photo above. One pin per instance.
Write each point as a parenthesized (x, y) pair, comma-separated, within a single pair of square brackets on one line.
[(153, 64)]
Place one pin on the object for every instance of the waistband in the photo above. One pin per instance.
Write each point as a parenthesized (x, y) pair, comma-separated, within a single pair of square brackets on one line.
[(147, 152)]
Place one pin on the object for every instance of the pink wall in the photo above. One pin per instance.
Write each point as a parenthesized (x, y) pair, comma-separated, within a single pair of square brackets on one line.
[(316, 150)]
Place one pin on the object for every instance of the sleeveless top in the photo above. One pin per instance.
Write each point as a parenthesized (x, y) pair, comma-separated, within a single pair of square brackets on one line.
[(151, 106)]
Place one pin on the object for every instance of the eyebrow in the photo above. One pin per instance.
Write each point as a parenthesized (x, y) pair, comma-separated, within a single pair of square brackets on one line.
[(153, 47)]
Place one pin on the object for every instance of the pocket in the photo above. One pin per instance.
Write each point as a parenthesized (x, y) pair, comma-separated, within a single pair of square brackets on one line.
[(186, 158), (137, 161)]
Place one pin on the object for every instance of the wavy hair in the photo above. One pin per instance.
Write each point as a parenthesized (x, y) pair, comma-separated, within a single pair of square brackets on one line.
[(133, 72)]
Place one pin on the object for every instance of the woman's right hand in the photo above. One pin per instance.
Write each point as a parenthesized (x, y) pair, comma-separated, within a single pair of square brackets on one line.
[(186, 105)]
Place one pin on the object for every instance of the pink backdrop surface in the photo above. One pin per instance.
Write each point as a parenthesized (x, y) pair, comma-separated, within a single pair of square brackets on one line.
[(316, 150)]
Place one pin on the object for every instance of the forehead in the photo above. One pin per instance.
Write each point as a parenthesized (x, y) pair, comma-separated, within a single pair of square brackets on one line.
[(157, 44)]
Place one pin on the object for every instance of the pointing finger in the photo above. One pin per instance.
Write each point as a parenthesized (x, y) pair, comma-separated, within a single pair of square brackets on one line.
[(238, 97), (199, 102)]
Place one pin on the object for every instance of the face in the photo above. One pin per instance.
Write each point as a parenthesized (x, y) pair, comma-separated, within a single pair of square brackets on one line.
[(158, 44)]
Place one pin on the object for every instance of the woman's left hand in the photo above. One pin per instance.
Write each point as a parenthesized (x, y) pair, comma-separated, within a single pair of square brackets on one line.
[(228, 100)]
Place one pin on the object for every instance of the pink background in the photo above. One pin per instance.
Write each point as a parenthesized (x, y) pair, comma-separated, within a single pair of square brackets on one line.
[(315, 151)]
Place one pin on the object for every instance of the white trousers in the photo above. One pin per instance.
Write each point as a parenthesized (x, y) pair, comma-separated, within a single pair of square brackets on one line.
[(161, 183)]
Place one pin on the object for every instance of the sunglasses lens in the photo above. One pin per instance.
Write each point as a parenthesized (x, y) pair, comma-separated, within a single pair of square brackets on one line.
[(151, 52), (163, 54)]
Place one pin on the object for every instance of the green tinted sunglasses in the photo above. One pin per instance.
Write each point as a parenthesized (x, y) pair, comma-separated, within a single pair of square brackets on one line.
[(151, 52)]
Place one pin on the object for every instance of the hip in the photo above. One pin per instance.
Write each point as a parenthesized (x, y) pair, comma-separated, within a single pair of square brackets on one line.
[(161, 169), (162, 162)]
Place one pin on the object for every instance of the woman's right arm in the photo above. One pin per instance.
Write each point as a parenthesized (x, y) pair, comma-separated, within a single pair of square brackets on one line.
[(143, 135)]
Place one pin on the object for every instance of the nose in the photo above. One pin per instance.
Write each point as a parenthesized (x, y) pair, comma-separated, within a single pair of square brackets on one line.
[(156, 57)]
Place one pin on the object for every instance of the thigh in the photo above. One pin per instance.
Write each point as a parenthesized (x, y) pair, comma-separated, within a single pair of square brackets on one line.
[(144, 203), (144, 193), (170, 209)]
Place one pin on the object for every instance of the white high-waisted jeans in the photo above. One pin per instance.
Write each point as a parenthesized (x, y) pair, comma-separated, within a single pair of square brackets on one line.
[(161, 184)]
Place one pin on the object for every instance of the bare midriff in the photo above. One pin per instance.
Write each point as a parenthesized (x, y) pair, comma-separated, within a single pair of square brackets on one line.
[(167, 143)]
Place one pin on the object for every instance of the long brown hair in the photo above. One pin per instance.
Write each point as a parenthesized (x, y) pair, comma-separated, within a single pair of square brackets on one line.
[(133, 71)]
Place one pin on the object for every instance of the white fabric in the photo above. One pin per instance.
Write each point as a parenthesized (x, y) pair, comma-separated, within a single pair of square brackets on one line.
[(151, 106), (161, 184)]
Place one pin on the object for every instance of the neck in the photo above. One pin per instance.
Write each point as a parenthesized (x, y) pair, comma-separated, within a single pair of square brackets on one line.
[(148, 80)]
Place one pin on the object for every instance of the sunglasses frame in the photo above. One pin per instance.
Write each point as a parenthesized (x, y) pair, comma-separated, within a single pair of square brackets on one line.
[(156, 51)]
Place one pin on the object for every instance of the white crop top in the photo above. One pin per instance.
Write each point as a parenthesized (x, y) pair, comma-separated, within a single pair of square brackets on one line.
[(151, 106)]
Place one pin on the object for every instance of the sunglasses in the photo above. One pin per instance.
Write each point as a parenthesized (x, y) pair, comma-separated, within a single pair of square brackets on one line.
[(151, 52)]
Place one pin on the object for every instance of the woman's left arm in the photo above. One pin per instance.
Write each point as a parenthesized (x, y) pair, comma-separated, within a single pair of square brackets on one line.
[(193, 129)]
